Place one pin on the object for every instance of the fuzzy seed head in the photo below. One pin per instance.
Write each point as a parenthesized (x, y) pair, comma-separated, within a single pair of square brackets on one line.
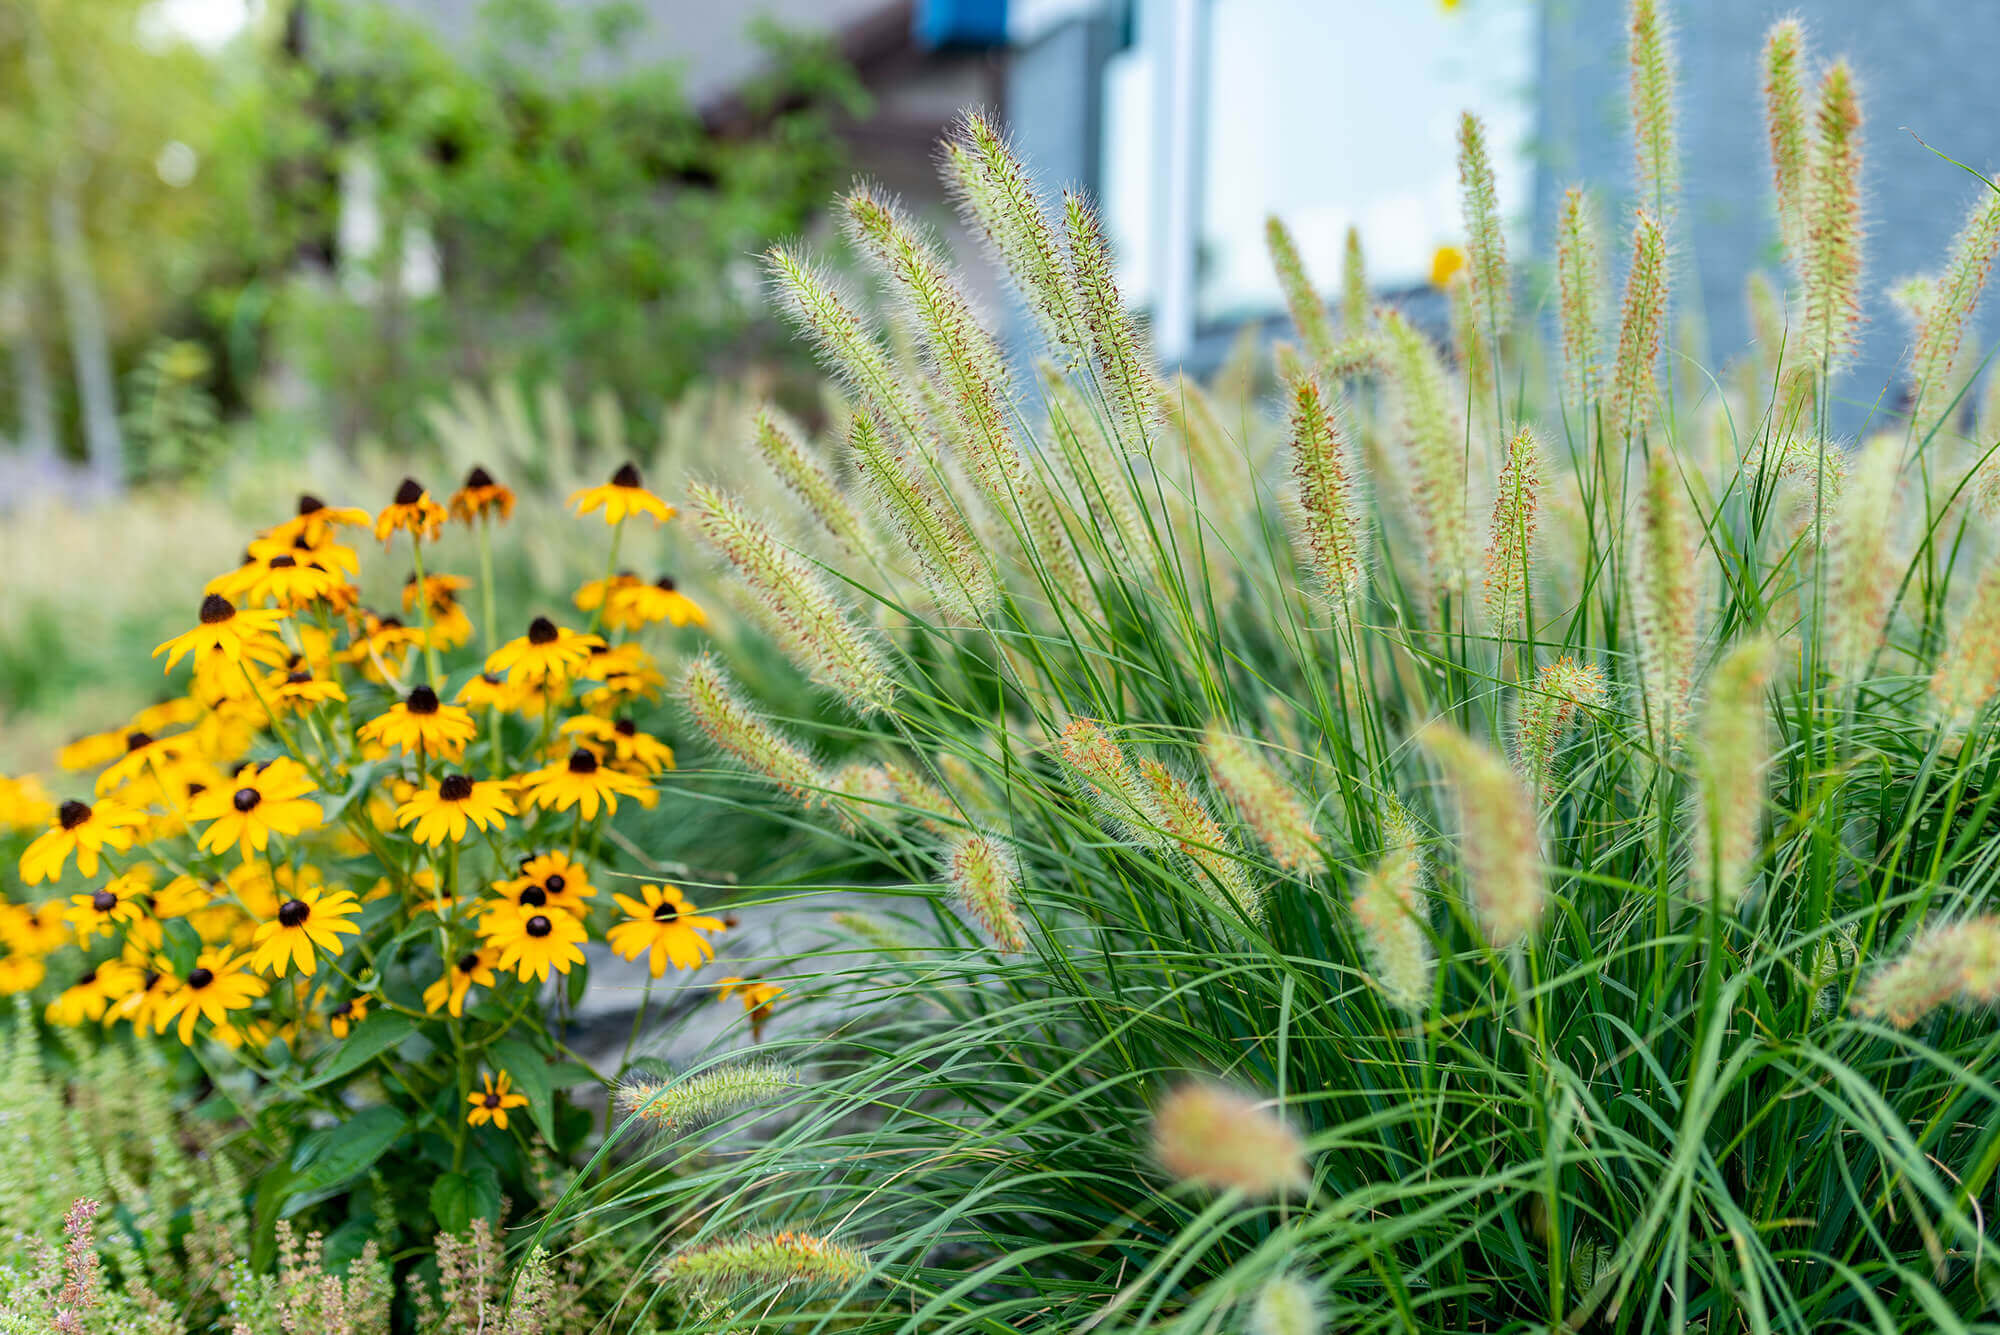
[(1498, 841), (933, 530), (1785, 122), (747, 736), (1267, 802), (1641, 326), (1353, 287), (1955, 964), (1941, 324), (1212, 1137), (1329, 521), (1308, 312), (985, 881), (1486, 239), (1199, 838), (1393, 912), (1124, 364), (1831, 273), (1510, 541), (1433, 448), (1651, 51), (1107, 780), (1581, 298), (793, 603), (781, 1260), (1286, 1306), (1665, 598), (847, 344), (1969, 672), (808, 479), (1733, 754), (696, 1100), (1561, 690), (1862, 564)]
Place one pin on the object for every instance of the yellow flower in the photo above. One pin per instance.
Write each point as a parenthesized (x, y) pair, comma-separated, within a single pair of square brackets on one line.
[(268, 799), (300, 689), (420, 725), (531, 941), (444, 812), (143, 751), (663, 922), (582, 783), (491, 1104), (492, 690), (177, 712), (547, 653), (593, 594), (472, 969), (550, 878), (122, 900), (33, 931), (413, 512), (345, 1015), (146, 1004), (757, 997), (316, 521), (92, 995), (481, 495), (630, 750), (287, 580), (661, 600), (215, 986), (623, 495), (226, 634), (84, 829), (1445, 265), (311, 921), (92, 750), (21, 973), (24, 803)]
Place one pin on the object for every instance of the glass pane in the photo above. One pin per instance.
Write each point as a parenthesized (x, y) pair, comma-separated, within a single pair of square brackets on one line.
[(1337, 112)]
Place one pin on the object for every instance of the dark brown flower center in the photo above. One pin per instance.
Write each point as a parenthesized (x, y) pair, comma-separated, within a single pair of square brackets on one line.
[(625, 727), (491, 678), (201, 977), (389, 623), (491, 1100), (72, 814), (216, 609), (293, 912), (468, 961), (298, 678), (534, 896), (666, 582), (423, 700), (626, 476), (196, 788), (582, 762), (344, 1008), (284, 562), (135, 740), (87, 979), (246, 798), (666, 911), (104, 901), (539, 926), (455, 788), (309, 503), (555, 883), (410, 492), (478, 478), (542, 631)]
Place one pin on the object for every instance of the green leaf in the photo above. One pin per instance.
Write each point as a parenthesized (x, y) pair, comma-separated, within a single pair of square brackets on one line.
[(358, 781), (181, 944), (369, 1039), (331, 1157), (536, 1077), (579, 983), (459, 1198)]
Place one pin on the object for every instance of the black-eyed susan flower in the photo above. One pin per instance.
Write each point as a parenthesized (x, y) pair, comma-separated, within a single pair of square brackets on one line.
[(607, 660), (601, 593), (662, 922), (217, 985), (21, 973), (92, 995), (176, 712), (121, 902), (335, 557), (624, 688), (34, 929), (383, 647), (266, 800), (491, 1103), (661, 600), (143, 752), (290, 582), (492, 690), (444, 812), (623, 495), (344, 1015), (481, 496), (298, 689), (146, 1004), (580, 782), (420, 725), (24, 803), (316, 521), (227, 633), (547, 653), (551, 878), (472, 969), (449, 625), (758, 999), (620, 744), (531, 941), (85, 830), (311, 921), (92, 749), (412, 512)]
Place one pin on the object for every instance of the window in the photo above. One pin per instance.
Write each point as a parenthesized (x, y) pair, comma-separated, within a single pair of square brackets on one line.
[(1329, 113)]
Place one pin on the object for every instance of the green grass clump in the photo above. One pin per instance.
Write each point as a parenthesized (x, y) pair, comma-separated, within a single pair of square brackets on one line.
[(1562, 857)]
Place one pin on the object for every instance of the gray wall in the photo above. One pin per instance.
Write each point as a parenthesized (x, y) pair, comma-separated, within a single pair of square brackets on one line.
[(1924, 64)]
